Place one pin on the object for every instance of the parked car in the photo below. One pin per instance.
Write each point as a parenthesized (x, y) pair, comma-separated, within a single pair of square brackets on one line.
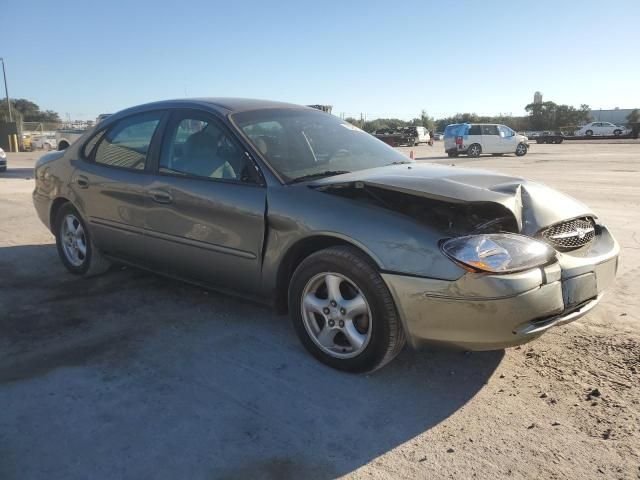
[(475, 139), (296, 208), (26, 142), (3, 161), (43, 142), (439, 136), (600, 128)]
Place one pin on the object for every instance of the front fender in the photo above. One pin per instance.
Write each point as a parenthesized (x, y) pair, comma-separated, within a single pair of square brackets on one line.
[(395, 242)]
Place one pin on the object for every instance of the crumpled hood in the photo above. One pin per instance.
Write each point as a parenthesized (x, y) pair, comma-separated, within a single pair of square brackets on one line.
[(533, 205)]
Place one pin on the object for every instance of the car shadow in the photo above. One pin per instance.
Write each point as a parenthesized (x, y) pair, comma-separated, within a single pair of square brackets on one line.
[(132, 375), (18, 172)]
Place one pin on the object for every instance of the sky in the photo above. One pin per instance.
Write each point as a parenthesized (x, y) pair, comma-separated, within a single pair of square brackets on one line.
[(378, 58)]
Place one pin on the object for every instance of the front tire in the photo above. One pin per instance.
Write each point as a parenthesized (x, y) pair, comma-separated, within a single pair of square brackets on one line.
[(617, 132), (474, 150), (75, 247), (589, 133), (521, 150), (343, 312)]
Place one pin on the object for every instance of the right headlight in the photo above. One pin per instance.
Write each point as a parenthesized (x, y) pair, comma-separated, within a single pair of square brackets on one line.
[(498, 252)]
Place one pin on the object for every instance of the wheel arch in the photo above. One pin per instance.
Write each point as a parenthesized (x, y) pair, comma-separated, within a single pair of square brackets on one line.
[(55, 208), (300, 250)]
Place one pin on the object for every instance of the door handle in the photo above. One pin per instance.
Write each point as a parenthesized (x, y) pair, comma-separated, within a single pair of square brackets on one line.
[(160, 196), (82, 181)]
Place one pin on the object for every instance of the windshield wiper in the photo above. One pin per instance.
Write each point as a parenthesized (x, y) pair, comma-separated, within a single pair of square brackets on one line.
[(311, 176), (400, 163)]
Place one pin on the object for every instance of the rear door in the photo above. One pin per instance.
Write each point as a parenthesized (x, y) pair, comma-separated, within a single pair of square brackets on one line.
[(474, 135), (111, 180), (207, 216)]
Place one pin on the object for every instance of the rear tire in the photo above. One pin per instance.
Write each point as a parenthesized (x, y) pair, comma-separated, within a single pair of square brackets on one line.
[(319, 294), (474, 150), (75, 247)]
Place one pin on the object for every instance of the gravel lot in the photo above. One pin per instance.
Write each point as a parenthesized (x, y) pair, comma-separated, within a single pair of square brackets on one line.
[(130, 375)]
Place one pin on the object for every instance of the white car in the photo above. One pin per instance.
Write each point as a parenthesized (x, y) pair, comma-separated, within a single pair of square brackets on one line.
[(600, 128), (474, 139), (43, 142), (3, 161)]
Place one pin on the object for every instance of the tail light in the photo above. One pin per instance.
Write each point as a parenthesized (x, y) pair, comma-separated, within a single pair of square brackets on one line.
[(458, 140)]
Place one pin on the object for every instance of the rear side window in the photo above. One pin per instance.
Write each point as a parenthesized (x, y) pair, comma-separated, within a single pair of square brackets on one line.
[(475, 130), (127, 143), (490, 130)]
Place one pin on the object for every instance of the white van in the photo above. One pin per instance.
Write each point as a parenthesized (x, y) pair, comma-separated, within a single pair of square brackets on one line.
[(474, 139)]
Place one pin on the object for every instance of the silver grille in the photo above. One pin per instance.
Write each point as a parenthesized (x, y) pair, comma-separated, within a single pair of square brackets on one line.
[(571, 234)]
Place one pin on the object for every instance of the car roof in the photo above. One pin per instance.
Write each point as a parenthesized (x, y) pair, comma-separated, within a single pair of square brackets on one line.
[(223, 105)]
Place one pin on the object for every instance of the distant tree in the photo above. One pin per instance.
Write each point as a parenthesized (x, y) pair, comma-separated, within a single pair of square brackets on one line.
[(634, 116), (425, 120), (353, 121), (551, 116), (28, 111)]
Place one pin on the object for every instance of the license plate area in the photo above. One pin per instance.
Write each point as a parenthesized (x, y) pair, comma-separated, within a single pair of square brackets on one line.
[(579, 289)]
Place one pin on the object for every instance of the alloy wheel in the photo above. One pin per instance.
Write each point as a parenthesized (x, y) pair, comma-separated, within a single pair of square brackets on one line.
[(336, 315), (74, 240)]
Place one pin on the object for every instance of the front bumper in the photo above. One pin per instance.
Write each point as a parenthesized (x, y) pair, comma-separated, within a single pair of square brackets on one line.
[(488, 312)]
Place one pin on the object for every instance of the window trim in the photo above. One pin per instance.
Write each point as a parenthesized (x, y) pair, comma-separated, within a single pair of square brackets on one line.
[(176, 115), (151, 152)]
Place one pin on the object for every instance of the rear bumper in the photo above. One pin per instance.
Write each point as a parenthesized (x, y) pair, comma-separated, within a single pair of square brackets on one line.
[(488, 312)]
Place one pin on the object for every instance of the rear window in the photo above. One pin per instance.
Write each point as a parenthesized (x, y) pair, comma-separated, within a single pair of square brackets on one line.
[(456, 130)]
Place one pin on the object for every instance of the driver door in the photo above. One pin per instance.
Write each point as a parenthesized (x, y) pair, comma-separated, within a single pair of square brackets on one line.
[(507, 140)]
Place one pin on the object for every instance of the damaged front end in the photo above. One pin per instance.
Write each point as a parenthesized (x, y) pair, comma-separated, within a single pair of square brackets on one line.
[(494, 222)]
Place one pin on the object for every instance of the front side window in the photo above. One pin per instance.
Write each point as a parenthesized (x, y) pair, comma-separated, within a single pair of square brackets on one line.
[(126, 144), (302, 144), (506, 131), (198, 146)]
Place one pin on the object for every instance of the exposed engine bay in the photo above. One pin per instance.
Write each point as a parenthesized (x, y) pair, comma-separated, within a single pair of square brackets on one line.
[(450, 218)]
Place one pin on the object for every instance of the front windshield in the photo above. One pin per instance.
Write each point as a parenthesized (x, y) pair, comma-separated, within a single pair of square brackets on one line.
[(301, 144)]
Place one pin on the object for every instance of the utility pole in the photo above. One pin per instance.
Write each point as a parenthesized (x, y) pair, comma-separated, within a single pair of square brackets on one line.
[(6, 90)]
